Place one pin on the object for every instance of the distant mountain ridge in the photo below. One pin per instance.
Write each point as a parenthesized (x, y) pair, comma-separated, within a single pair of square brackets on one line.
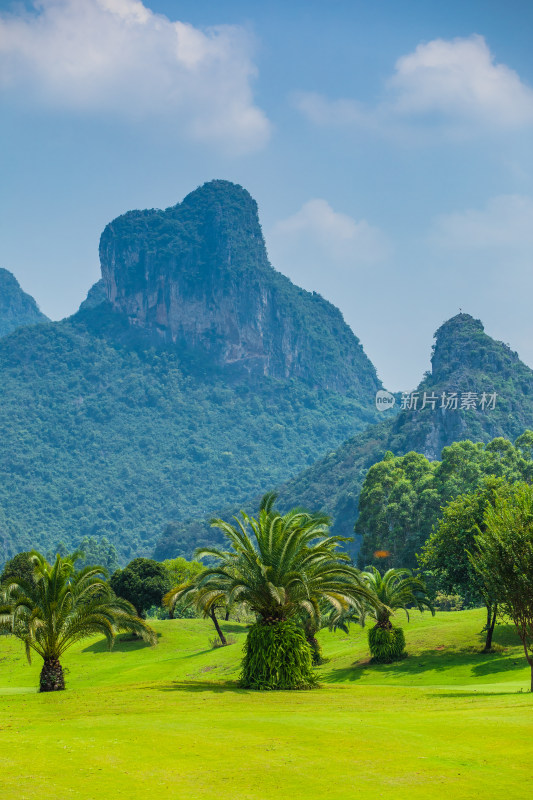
[(16, 307), (192, 378), (465, 360)]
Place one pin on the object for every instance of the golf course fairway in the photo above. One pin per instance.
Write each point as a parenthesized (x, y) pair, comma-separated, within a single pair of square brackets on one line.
[(171, 722)]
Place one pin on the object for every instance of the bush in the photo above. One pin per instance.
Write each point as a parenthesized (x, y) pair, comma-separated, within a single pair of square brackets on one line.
[(277, 657), (386, 644), (448, 602)]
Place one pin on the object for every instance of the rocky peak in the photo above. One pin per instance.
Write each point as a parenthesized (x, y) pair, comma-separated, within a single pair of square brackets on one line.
[(467, 362), (197, 274), (16, 307), (462, 347)]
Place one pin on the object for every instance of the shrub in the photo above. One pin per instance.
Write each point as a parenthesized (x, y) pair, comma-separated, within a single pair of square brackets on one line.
[(448, 602), (386, 644), (277, 656)]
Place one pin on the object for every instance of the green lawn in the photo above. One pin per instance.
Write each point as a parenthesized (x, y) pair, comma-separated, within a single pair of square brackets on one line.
[(170, 721)]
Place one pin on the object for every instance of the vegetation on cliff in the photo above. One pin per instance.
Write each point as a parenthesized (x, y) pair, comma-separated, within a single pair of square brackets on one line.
[(464, 359), (16, 307)]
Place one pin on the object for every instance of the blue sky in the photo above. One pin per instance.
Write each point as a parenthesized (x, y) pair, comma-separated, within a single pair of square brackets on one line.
[(388, 144)]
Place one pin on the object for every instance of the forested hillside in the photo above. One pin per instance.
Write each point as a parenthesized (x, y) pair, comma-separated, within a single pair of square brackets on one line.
[(114, 426), (465, 360)]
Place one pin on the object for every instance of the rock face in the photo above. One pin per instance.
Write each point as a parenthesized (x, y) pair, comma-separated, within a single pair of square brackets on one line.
[(198, 275), (465, 359), (16, 307), (95, 296)]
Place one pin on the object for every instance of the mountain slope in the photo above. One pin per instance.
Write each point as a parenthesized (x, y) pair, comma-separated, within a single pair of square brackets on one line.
[(95, 296), (464, 360), (135, 411), (16, 307)]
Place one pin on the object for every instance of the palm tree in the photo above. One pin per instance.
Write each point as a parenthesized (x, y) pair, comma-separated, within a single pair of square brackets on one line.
[(397, 589), (282, 567), (60, 606)]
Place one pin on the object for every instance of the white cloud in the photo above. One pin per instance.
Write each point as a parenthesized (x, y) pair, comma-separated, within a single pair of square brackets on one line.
[(455, 84), (459, 79), (117, 56), (330, 237), (505, 222)]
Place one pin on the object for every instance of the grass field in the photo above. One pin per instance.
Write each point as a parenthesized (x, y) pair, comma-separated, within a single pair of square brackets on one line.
[(170, 721)]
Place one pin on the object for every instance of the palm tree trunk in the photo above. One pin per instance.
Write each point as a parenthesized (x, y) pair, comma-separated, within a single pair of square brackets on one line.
[(217, 626), (52, 678), (316, 652)]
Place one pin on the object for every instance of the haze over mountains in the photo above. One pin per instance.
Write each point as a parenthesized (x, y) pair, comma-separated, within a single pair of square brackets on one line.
[(195, 377), (203, 377), (465, 362)]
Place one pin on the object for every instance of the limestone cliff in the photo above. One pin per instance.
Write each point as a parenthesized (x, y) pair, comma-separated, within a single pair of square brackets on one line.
[(198, 275), (465, 359)]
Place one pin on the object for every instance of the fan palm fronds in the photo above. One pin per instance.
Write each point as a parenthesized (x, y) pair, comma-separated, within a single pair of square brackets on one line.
[(61, 606)]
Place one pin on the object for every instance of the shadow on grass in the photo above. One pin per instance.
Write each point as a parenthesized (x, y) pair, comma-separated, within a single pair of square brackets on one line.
[(202, 686), (235, 627), (124, 643), (484, 693), (481, 664)]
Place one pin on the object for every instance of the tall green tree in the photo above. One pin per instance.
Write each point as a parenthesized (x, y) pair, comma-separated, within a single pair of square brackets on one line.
[(100, 551), (402, 496), (58, 607), (504, 559), (20, 566), (399, 499), (445, 553), (143, 582), (281, 567)]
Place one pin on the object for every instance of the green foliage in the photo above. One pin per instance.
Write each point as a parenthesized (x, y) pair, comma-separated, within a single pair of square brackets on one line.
[(59, 606), (445, 553), (277, 656), (448, 602), (180, 571), (464, 359), (104, 434), (17, 308), (396, 589), (19, 567), (99, 551), (386, 644), (402, 498), (279, 566), (504, 559), (143, 583)]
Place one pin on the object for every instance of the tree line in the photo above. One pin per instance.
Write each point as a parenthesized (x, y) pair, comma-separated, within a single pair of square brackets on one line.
[(291, 576)]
